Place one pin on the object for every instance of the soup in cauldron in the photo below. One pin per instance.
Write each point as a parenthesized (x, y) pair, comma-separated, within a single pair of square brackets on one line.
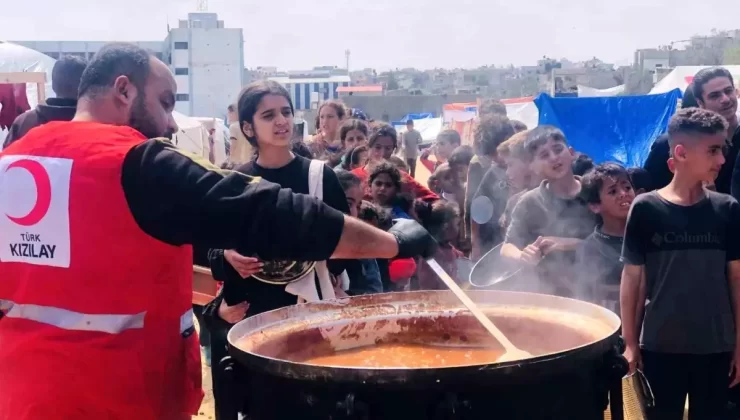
[(397, 355)]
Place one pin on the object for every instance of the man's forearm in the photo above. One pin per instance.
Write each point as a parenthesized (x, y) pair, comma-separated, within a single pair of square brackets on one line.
[(361, 240)]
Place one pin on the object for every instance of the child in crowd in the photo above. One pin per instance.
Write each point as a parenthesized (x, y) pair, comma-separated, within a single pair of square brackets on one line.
[(459, 161), (452, 189), (682, 271), (447, 141), (442, 220), (382, 143), (352, 133), (385, 185), (399, 163), (519, 175), (550, 221), (492, 195), (492, 130), (641, 180), (394, 274), (353, 190), (608, 190), (355, 158), (582, 164)]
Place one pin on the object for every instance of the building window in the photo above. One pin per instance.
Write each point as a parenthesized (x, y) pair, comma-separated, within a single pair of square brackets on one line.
[(182, 97), (181, 71), (181, 45), (298, 95)]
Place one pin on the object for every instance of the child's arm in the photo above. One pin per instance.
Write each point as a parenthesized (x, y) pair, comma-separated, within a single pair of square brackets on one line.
[(552, 243)]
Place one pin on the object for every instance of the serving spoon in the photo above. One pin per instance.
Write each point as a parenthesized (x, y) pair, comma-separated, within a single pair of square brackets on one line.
[(511, 352)]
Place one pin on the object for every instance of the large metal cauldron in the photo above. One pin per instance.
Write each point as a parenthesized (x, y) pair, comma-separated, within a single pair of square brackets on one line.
[(575, 344)]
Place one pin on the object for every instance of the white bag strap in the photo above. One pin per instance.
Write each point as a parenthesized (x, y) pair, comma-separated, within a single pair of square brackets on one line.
[(316, 179)]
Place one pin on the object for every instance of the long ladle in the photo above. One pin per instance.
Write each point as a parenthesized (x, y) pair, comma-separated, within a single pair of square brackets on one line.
[(511, 352)]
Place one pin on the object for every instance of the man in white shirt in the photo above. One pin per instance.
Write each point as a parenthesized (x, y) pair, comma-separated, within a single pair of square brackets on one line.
[(241, 150)]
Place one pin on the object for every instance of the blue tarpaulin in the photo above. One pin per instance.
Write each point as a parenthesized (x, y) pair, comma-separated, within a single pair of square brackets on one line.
[(619, 129), (422, 116)]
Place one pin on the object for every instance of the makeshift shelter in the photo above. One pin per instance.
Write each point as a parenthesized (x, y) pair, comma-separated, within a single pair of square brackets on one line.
[(589, 92), (17, 59), (217, 134), (461, 111), (620, 129), (191, 135), (429, 128), (681, 76)]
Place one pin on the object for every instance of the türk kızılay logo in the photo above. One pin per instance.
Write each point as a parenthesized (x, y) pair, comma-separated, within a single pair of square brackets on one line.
[(34, 210)]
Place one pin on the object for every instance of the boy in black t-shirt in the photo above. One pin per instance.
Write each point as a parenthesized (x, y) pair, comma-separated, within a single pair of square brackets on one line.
[(608, 190), (549, 221), (682, 270)]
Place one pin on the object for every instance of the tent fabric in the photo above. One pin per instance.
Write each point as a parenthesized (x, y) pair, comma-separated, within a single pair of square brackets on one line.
[(191, 135), (429, 128), (681, 76), (414, 117), (589, 92), (15, 58), (619, 129)]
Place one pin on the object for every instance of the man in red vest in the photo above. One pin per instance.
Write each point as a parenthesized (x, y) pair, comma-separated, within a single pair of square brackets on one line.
[(96, 222)]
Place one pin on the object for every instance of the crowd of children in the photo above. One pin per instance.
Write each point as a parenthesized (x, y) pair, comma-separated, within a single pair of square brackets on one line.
[(597, 232)]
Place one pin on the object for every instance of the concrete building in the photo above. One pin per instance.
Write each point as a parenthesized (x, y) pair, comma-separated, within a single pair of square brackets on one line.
[(206, 59), (310, 87)]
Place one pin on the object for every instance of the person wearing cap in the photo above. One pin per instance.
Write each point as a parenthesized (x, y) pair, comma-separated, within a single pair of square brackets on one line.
[(97, 219)]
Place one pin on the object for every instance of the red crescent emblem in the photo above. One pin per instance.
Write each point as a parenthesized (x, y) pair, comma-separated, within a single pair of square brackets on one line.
[(43, 192)]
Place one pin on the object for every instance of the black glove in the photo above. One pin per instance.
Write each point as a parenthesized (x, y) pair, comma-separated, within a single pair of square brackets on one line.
[(413, 239)]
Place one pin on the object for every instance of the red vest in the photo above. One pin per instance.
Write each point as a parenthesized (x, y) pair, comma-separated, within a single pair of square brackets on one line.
[(98, 319)]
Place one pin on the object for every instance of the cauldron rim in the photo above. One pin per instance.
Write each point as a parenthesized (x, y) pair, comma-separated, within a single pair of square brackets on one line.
[(544, 364)]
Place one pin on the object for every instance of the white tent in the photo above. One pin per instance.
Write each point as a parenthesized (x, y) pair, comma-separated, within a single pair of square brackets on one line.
[(429, 128), (220, 137), (681, 76), (15, 58), (589, 92), (191, 135)]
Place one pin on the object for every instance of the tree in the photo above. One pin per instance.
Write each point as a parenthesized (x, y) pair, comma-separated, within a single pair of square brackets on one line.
[(392, 83)]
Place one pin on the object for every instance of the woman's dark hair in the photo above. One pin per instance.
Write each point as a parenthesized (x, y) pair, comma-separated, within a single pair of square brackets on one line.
[(383, 130), (386, 167), (347, 179), (491, 131), (434, 216), (705, 75), (250, 98), (461, 156), (689, 100), (338, 107), (352, 157), (349, 125), (582, 164)]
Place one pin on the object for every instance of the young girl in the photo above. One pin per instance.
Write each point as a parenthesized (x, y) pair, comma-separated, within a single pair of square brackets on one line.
[(355, 158), (382, 143), (442, 220), (266, 117), (326, 144), (385, 185), (353, 133)]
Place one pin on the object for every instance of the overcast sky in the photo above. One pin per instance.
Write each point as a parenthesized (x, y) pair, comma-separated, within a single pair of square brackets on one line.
[(299, 34)]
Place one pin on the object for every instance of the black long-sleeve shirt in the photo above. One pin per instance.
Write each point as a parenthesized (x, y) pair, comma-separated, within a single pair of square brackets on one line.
[(656, 164), (179, 199)]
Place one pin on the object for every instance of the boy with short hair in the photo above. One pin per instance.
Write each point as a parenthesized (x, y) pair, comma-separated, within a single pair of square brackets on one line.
[(682, 253), (608, 190), (447, 141), (549, 221)]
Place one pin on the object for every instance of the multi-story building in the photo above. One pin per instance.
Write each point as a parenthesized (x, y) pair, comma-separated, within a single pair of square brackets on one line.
[(310, 87), (206, 58)]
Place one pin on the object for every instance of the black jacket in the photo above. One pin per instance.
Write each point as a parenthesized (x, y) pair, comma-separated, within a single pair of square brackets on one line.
[(660, 176), (55, 109)]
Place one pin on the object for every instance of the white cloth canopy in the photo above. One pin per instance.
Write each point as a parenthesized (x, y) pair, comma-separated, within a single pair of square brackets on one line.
[(15, 58), (589, 92), (681, 76)]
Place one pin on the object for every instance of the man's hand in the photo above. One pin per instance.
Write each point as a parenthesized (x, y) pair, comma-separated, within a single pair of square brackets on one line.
[(232, 314), (413, 240), (633, 356), (245, 266)]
